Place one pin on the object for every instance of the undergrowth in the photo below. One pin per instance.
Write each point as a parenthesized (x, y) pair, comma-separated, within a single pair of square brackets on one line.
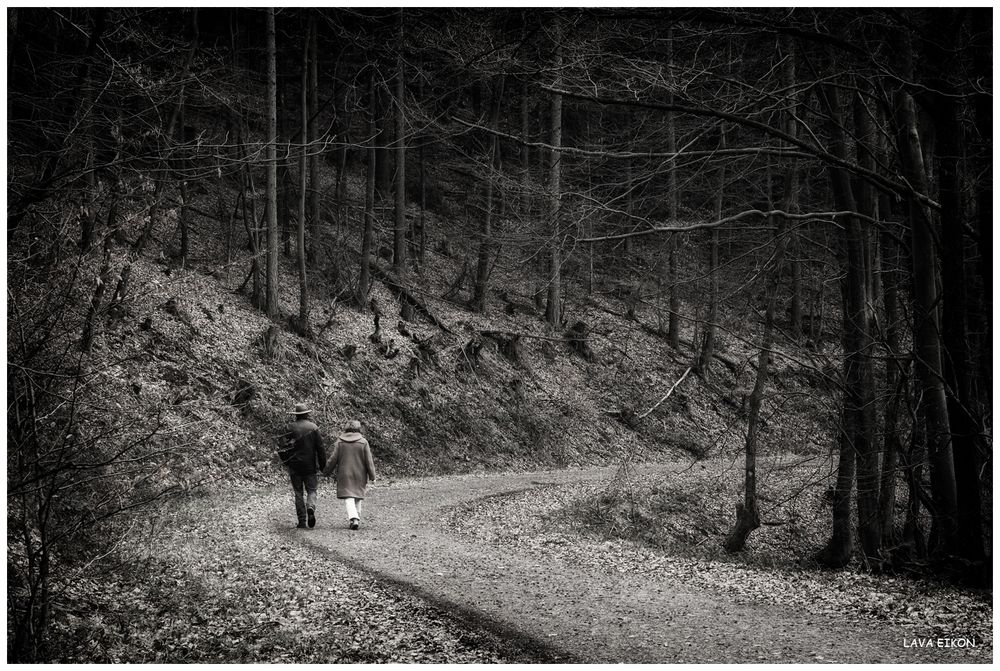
[(688, 511)]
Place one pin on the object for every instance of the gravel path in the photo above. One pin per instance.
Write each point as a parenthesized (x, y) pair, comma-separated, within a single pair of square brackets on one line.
[(571, 598)]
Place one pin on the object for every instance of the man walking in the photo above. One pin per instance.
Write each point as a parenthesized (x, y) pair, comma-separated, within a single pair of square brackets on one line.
[(352, 459), (302, 453)]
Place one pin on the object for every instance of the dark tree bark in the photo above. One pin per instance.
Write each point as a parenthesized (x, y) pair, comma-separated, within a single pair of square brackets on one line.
[(399, 231), (925, 334), (157, 205), (75, 101), (383, 162), (303, 322), (182, 215), (553, 307), (314, 186), (674, 321), (708, 342), (965, 431), (860, 379), (481, 285), (858, 449), (271, 283), (364, 275), (748, 512), (896, 384), (981, 29)]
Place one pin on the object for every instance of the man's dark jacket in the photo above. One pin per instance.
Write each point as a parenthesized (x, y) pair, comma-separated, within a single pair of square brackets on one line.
[(302, 448)]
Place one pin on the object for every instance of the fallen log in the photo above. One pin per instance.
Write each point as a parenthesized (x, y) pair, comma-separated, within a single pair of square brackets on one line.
[(405, 295)]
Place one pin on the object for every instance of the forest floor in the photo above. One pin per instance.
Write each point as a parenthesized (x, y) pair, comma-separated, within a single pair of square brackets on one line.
[(487, 568)]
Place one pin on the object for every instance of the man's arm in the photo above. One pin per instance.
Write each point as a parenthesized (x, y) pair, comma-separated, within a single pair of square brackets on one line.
[(320, 451)]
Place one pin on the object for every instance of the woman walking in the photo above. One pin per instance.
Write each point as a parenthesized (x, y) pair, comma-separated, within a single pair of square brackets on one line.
[(352, 460)]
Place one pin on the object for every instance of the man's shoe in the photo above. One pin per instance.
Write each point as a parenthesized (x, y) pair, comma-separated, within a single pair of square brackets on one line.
[(300, 525), (354, 524), (312, 518)]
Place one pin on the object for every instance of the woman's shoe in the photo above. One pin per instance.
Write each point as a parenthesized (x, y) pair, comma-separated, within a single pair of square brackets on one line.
[(355, 522)]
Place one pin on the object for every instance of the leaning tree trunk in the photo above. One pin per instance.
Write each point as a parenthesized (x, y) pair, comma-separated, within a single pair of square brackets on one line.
[(748, 512)]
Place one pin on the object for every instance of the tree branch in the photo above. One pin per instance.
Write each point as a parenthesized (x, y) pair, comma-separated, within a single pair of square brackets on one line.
[(730, 219), (877, 180)]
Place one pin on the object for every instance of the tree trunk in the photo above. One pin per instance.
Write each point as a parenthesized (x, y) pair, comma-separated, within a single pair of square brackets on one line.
[(860, 378), (673, 320), (925, 334), (284, 178), (981, 22), (383, 164), (857, 447), (182, 215), (271, 284), (399, 231), (419, 232), (364, 276), (314, 185), (708, 342), (748, 512), (303, 324), (791, 196), (553, 308), (896, 384), (959, 374), (481, 285), (156, 206)]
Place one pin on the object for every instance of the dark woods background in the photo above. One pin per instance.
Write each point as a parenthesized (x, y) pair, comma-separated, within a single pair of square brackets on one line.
[(829, 171)]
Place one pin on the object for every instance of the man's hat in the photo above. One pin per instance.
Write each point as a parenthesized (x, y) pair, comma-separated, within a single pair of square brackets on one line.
[(301, 409)]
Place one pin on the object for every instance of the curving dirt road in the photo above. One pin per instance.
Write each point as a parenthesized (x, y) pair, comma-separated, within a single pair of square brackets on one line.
[(565, 608)]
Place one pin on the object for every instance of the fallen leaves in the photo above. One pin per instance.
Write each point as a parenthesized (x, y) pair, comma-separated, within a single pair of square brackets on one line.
[(251, 596), (555, 531)]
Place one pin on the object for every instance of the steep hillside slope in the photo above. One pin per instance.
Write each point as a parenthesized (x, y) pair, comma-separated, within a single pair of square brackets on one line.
[(222, 376)]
